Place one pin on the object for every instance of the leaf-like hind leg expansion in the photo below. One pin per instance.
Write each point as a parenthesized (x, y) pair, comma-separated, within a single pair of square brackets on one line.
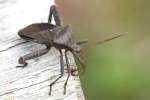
[(61, 70), (22, 60), (58, 19), (68, 70)]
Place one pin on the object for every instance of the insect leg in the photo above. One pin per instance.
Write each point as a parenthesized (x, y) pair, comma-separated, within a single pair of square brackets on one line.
[(61, 70), (81, 61), (68, 70), (22, 60), (57, 17)]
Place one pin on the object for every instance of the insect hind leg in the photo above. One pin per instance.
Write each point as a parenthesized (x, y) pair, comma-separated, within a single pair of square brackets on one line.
[(54, 12)]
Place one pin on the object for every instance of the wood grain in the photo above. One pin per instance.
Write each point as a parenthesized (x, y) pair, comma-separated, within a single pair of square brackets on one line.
[(32, 82)]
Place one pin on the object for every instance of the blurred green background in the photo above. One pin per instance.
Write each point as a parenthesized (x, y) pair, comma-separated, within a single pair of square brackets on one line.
[(119, 69)]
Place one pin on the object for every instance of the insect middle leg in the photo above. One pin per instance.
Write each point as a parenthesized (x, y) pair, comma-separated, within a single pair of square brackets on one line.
[(68, 70), (61, 70), (22, 60)]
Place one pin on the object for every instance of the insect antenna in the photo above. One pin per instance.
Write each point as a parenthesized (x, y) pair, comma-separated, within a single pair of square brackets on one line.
[(82, 41), (108, 39)]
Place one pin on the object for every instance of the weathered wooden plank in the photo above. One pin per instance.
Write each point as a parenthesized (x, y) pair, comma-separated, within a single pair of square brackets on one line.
[(32, 82)]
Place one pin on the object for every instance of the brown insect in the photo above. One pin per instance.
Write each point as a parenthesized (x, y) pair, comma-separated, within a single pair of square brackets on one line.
[(58, 36)]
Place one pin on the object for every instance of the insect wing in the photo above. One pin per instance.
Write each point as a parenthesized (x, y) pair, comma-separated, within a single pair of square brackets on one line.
[(44, 36)]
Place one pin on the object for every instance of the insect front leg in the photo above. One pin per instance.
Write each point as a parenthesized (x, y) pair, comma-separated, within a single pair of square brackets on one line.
[(54, 12), (22, 60), (61, 71), (81, 61)]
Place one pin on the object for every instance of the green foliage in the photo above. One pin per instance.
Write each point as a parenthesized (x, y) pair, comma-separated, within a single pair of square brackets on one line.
[(119, 69)]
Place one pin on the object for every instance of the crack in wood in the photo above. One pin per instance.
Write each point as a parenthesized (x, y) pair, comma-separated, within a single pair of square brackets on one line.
[(13, 46), (20, 78), (17, 89)]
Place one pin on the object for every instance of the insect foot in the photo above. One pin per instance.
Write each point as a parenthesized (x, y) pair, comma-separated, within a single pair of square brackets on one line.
[(22, 61)]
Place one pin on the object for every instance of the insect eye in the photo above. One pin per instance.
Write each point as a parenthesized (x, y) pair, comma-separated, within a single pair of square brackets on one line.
[(19, 32)]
